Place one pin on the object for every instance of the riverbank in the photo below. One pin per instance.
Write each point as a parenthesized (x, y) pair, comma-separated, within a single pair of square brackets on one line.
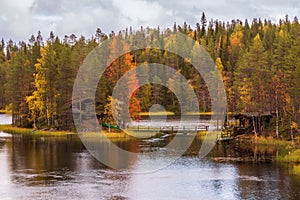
[(42, 133), (111, 135), (288, 151), (28, 131), (262, 140)]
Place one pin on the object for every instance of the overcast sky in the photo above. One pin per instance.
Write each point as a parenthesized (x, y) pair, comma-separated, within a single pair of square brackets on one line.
[(21, 18)]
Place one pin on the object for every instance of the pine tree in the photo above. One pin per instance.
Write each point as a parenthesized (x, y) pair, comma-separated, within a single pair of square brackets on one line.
[(253, 91), (43, 101), (203, 24), (2, 75)]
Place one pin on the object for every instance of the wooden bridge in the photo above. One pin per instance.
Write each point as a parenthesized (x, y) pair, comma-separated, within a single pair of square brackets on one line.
[(170, 129), (225, 136)]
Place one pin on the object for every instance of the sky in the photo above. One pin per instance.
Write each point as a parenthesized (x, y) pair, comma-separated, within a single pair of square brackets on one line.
[(19, 19)]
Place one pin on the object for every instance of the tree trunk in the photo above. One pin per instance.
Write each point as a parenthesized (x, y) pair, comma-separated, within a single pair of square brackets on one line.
[(292, 134), (277, 118), (254, 126)]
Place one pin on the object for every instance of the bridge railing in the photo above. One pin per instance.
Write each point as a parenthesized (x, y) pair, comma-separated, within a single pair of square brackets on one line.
[(170, 128)]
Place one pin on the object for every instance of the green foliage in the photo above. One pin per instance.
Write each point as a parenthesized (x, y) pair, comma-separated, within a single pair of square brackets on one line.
[(112, 109), (259, 64), (32, 132), (251, 88), (290, 156)]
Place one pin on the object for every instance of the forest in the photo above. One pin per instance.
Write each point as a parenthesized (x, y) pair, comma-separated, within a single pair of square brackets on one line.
[(259, 61)]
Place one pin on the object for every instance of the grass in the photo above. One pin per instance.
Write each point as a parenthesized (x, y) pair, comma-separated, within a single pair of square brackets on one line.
[(156, 113), (270, 141), (203, 113), (199, 113), (288, 152), (117, 135), (293, 156), (296, 170), (29, 131), (128, 134), (111, 135)]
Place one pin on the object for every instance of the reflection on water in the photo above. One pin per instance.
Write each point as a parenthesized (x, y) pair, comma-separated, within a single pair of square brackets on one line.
[(5, 119), (61, 168)]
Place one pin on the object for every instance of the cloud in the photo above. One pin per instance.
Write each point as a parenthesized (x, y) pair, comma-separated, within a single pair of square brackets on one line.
[(46, 7), (20, 19)]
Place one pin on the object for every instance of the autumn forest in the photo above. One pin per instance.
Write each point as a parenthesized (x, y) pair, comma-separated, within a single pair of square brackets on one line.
[(259, 61)]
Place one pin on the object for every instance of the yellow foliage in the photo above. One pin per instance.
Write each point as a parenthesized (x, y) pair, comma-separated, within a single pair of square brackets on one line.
[(112, 109), (236, 39), (245, 98), (257, 39), (294, 125), (219, 65)]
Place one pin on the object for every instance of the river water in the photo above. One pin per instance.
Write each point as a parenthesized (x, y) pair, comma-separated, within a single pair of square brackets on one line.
[(61, 168)]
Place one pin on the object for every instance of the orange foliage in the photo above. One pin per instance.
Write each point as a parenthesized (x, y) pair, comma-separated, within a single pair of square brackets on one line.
[(119, 68), (236, 40)]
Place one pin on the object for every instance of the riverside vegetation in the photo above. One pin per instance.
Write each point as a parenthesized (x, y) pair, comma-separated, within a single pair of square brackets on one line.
[(31, 73), (258, 61)]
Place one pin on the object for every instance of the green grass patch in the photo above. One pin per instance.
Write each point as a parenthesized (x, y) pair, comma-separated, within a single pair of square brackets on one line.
[(118, 135), (203, 113), (156, 113), (111, 135), (27, 131), (296, 170), (292, 156), (199, 113), (270, 141)]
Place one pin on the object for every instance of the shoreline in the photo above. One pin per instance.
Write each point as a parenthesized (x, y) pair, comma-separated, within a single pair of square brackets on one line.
[(42, 133), (30, 131), (290, 153)]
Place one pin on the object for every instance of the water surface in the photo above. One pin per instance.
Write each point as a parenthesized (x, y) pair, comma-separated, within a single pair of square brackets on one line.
[(61, 168)]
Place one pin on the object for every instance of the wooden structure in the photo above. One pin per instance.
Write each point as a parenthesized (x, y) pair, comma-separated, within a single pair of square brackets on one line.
[(170, 129), (252, 122)]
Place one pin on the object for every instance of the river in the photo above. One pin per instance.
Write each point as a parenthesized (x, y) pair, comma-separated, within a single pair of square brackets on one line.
[(61, 168)]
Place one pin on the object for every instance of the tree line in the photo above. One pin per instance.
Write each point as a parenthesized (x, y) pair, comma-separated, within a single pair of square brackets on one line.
[(259, 62)]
